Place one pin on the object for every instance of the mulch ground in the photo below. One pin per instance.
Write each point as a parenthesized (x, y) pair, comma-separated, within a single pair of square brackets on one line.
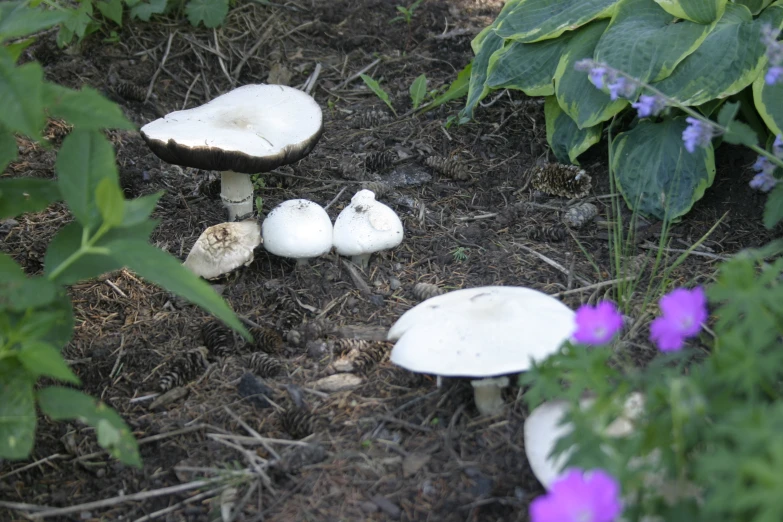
[(394, 446)]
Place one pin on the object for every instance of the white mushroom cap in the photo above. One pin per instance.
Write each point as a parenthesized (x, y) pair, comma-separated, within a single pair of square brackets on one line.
[(254, 128), (297, 229), (366, 226), (543, 428), (224, 247), (481, 332)]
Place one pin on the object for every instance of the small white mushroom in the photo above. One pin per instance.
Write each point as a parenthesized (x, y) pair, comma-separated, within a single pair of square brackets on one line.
[(298, 229), (481, 333), (252, 129), (366, 226), (223, 248)]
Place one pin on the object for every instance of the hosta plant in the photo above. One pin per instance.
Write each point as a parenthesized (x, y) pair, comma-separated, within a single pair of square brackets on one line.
[(107, 233), (698, 54)]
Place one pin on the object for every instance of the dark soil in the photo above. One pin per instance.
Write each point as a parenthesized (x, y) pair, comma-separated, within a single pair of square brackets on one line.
[(395, 447)]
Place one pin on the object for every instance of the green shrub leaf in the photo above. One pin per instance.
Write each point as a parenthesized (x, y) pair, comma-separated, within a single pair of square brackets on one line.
[(21, 96), (378, 90), (17, 20), (655, 173), (17, 411), (77, 23), (111, 9), (139, 209), (768, 100), (113, 434), (144, 9), (534, 20), (16, 49), (210, 12), (418, 90), (85, 158), (8, 150), (20, 195), (566, 139), (456, 90), (721, 66), (579, 98), (40, 358), (737, 132), (643, 41), (164, 270), (699, 11), (33, 292), (85, 109), (528, 67), (110, 201), (773, 210)]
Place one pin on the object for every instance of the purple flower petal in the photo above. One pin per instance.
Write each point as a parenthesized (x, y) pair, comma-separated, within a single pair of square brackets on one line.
[(648, 106), (665, 335), (596, 76), (777, 146), (696, 134), (577, 496), (597, 325), (774, 75), (763, 182), (617, 88)]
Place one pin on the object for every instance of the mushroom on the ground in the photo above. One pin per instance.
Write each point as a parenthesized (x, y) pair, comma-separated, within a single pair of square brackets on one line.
[(252, 129), (481, 333), (224, 247), (297, 229), (366, 226)]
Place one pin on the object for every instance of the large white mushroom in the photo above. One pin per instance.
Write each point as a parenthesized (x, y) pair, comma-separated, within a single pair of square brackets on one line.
[(482, 333), (297, 229), (252, 129), (223, 248), (366, 226)]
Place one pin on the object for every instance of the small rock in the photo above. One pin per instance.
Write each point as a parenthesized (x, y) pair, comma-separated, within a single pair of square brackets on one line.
[(387, 506), (316, 349), (337, 382), (369, 507), (254, 389), (413, 463), (394, 283), (342, 365), (377, 300)]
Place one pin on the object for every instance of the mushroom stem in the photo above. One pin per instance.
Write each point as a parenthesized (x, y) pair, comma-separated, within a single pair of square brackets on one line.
[(236, 191), (362, 260), (302, 262), (487, 395)]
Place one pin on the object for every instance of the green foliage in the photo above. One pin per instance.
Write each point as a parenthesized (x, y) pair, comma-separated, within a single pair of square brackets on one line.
[(709, 430), (406, 13), (108, 233), (210, 12), (379, 92), (694, 53), (455, 91), (418, 90)]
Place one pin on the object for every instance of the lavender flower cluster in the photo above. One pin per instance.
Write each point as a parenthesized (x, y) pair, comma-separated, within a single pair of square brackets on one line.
[(769, 36)]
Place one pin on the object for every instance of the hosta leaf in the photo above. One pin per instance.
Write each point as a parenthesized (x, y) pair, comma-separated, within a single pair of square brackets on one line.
[(20, 195), (210, 12), (699, 11), (566, 139), (721, 66), (643, 41), (17, 411), (768, 100), (755, 6), (655, 173), (534, 20), (579, 98), (529, 67), (486, 43)]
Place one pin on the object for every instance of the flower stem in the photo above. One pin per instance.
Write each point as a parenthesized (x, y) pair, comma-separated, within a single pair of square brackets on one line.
[(87, 247)]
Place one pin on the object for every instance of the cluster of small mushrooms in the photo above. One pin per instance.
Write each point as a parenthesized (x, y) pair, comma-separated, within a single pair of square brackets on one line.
[(484, 334)]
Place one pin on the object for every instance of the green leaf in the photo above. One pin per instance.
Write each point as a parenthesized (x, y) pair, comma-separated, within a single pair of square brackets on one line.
[(164, 270), (19, 295), (720, 67), (656, 175), (17, 411), (379, 92), (40, 358), (737, 132), (18, 20), (211, 12), (21, 96), (579, 98), (9, 270), (486, 43), (768, 100), (20, 195), (418, 90), (114, 435), (456, 90), (773, 210), (85, 109), (534, 20), (644, 42), (59, 330), (755, 6), (139, 209), (110, 201), (17, 48), (85, 158), (699, 11), (144, 9), (8, 151), (111, 9), (528, 67), (78, 20), (566, 139)]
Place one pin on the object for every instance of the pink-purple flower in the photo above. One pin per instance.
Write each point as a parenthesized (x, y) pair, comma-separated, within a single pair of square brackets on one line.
[(648, 105), (697, 134), (769, 36), (683, 313), (579, 496), (597, 325)]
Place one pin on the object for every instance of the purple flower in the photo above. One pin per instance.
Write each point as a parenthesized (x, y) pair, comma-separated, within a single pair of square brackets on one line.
[(763, 182), (777, 146), (618, 87), (696, 134), (579, 497), (597, 325), (648, 105), (774, 75), (597, 75), (683, 312)]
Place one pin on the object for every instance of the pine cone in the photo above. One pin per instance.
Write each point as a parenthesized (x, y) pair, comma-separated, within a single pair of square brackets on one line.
[(556, 179), (299, 456), (369, 119), (343, 346), (298, 422), (264, 365), (378, 188), (317, 328), (130, 91), (184, 368), (353, 168), (267, 340), (375, 353), (380, 161), (424, 291), (218, 339), (551, 233), (579, 215), (450, 167)]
